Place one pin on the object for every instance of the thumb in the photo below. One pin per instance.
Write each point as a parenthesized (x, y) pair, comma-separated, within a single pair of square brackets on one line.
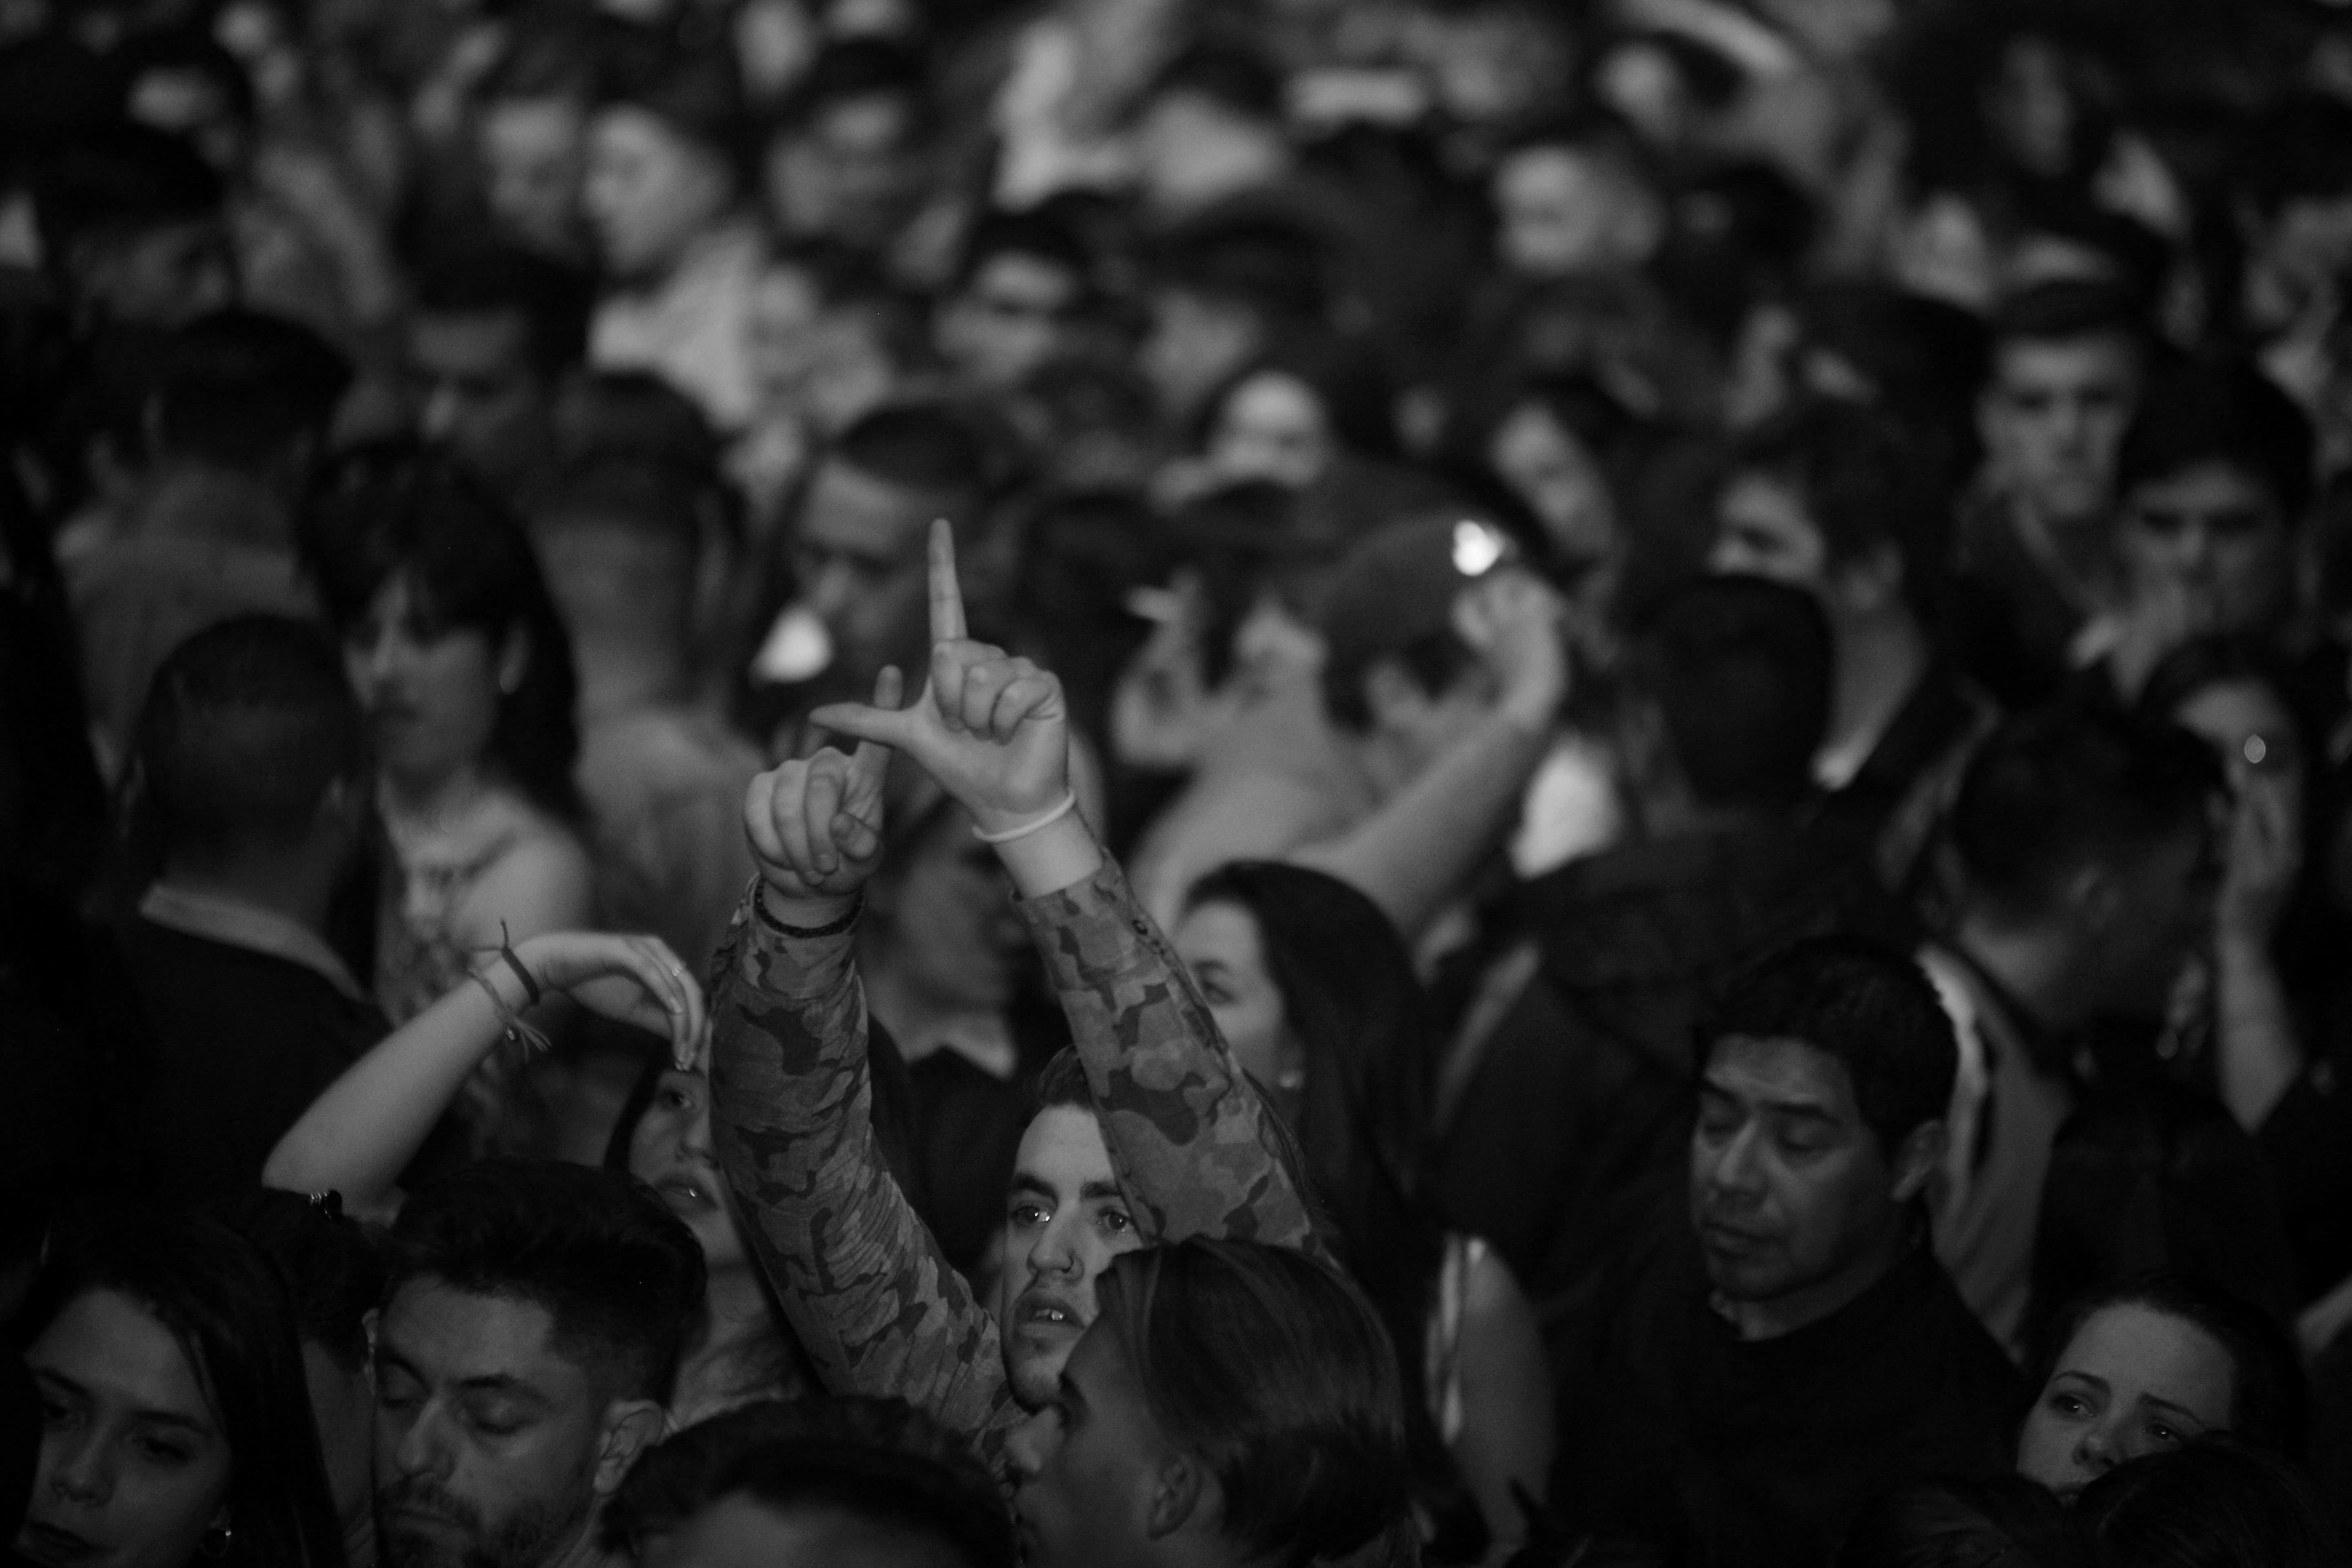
[(881, 726), (873, 758)]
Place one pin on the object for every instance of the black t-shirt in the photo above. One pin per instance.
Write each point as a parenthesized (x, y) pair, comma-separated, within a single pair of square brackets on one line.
[(244, 1041)]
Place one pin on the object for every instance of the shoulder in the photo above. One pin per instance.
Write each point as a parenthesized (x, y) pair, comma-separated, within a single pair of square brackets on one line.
[(537, 878)]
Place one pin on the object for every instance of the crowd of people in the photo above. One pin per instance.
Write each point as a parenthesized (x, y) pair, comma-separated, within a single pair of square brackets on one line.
[(1184, 782)]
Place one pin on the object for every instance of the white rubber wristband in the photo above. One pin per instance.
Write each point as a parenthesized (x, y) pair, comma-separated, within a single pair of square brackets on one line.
[(1007, 834)]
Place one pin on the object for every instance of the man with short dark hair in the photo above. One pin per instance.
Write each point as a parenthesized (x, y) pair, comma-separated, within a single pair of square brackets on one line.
[(495, 333), (252, 766), (531, 1325), (132, 229), (1757, 1368), (1025, 280), (838, 1482), (1567, 1084), (1826, 498), (2031, 550)]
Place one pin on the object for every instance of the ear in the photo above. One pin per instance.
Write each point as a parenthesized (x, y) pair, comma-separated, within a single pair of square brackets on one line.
[(1919, 1158), (514, 659), (1181, 1488), (631, 1426)]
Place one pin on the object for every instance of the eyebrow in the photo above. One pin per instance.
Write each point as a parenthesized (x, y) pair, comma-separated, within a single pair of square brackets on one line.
[(1023, 1182), (483, 1382), (1812, 1109), (1095, 1192), (194, 1424)]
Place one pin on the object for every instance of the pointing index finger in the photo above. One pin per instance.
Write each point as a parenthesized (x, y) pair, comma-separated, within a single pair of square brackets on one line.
[(947, 596)]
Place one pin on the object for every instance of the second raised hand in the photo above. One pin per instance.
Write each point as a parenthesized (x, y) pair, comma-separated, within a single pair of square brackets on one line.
[(993, 729)]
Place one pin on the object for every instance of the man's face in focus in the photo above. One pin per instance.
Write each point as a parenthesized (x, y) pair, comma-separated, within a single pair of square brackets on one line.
[(476, 391), (2054, 415), (858, 553), (2213, 536), (1064, 1221), (1088, 1463), (1790, 1190), (486, 1441)]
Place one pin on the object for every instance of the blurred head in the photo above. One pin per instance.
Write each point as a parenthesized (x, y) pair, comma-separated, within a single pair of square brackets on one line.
[(2068, 360), (1271, 424), (1235, 1404), (530, 140), (621, 543), (242, 390), (849, 155), (449, 636), (822, 1483), (176, 1419), (1965, 1524), (2148, 1366), (658, 180), (2214, 480), (1066, 1218), (1826, 498), (2218, 1502), (531, 1326), (1223, 291), (1025, 280), (1575, 201), (2230, 693), (2297, 194), (663, 1139), (181, 81), (1551, 447), (858, 548), (1823, 1076), (2093, 832), (1211, 129), (335, 1281), (1731, 676), (493, 335), (132, 230), (943, 923), (251, 747)]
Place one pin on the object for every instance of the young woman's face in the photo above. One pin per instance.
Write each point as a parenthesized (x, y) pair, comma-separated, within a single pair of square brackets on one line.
[(1272, 426), (2133, 1381), (671, 1151), (135, 1466), (1219, 942), (431, 693), (953, 932), (1555, 475)]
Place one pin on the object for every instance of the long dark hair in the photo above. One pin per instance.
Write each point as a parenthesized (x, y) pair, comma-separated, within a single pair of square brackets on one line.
[(1351, 998), (227, 1307), (395, 510)]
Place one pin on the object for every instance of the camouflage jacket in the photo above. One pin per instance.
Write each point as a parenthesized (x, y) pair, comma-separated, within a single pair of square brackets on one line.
[(877, 1307)]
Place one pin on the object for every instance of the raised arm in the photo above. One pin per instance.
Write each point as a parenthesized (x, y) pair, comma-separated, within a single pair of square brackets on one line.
[(872, 1299), (359, 1135), (1197, 1150)]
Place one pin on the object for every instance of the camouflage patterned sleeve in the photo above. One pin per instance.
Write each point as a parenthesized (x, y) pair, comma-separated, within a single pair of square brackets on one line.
[(879, 1308), (1198, 1152)]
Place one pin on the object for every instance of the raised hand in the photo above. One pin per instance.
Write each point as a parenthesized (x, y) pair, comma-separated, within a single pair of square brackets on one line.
[(816, 823), (635, 979), (991, 729)]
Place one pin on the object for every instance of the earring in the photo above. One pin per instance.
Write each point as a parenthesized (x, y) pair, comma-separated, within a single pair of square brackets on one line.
[(214, 1542)]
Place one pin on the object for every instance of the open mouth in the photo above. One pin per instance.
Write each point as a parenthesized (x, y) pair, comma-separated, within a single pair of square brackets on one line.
[(687, 1195), (1035, 1310)]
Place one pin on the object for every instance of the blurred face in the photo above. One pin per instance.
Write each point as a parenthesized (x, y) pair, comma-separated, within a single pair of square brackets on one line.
[(741, 1531), (784, 310), (859, 554), (1552, 472), (2053, 416), (487, 1440), (2212, 536), (1064, 1221), (2031, 108), (1272, 426), (847, 173), (671, 1153), (650, 193), (165, 276), (1010, 320), (343, 1405), (1566, 211), (954, 935), (431, 693), (135, 1466), (2162, 900), (1192, 153), (2310, 241), (1789, 1191), (533, 159), (2132, 1382), (1220, 944), (476, 391), (1087, 1462), (1761, 527), (1194, 343)]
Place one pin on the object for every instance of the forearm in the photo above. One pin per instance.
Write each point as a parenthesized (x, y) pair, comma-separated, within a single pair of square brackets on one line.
[(359, 1135), (1197, 1152), (2259, 1054), (877, 1308), (1412, 855)]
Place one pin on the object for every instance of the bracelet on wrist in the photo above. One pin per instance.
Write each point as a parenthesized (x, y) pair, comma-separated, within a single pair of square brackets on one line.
[(767, 917), (1003, 835)]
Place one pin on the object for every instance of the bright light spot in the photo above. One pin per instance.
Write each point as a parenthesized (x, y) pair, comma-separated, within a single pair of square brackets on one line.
[(1476, 548), (2254, 751)]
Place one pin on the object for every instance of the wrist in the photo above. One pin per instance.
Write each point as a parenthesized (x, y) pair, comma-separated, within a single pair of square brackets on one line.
[(994, 820), (804, 911), (1054, 857)]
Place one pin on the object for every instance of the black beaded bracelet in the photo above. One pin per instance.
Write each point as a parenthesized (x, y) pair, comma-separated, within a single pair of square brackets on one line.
[(832, 928)]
